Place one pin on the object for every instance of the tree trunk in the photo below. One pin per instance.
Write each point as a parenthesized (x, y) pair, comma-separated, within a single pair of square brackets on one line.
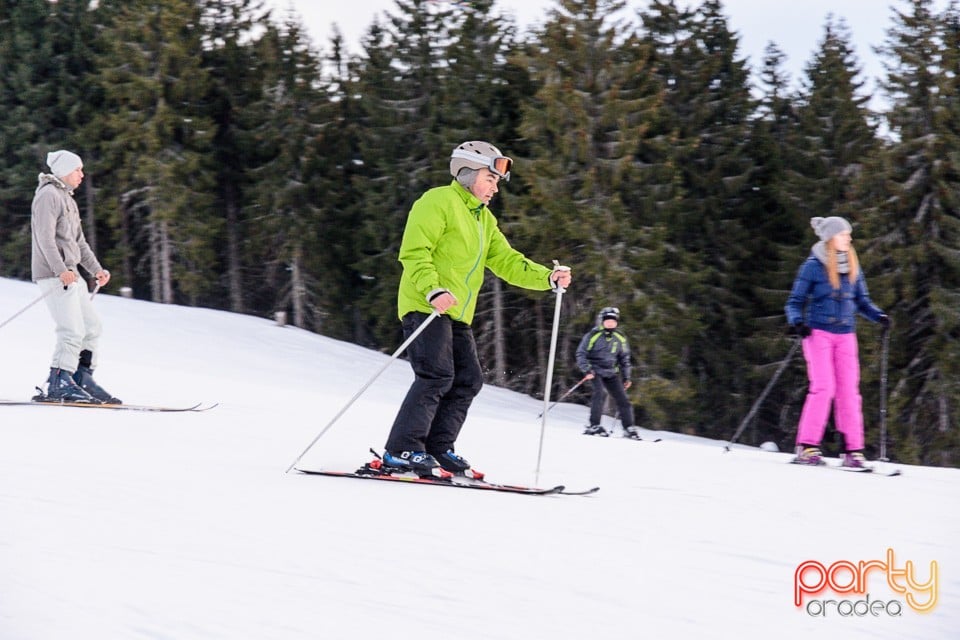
[(234, 264), (154, 263), (126, 265), (499, 336), (543, 344), (161, 285), (565, 348), (90, 217), (166, 264), (298, 290)]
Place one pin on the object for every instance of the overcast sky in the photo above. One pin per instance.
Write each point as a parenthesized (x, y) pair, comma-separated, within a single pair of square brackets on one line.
[(796, 26)]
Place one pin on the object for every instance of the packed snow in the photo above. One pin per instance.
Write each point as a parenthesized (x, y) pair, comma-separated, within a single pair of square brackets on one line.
[(185, 526)]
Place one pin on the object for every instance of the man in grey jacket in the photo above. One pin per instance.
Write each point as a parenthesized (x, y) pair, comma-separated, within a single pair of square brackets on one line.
[(59, 250)]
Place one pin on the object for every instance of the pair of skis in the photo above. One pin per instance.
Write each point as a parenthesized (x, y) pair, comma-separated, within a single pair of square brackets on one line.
[(376, 471), (458, 482), (115, 407), (609, 434), (874, 470)]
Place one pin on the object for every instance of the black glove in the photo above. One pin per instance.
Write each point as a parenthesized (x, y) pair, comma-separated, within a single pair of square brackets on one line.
[(885, 321), (799, 329)]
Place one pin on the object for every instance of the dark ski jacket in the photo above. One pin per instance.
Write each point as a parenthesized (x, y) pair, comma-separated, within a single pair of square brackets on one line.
[(814, 301), (605, 353)]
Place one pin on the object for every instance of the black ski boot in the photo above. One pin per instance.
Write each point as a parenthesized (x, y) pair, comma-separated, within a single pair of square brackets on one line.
[(419, 462), (457, 465), (596, 430), (632, 432), (62, 388), (84, 377)]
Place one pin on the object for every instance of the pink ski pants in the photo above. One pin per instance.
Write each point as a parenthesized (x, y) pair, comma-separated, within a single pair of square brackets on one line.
[(833, 367)]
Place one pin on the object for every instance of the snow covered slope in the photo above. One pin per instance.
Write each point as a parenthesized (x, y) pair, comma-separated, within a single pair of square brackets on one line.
[(118, 525)]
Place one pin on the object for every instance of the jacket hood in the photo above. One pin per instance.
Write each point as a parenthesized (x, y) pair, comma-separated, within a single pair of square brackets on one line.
[(44, 179)]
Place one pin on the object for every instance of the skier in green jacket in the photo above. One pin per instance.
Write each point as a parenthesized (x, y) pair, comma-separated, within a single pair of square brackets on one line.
[(449, 239)]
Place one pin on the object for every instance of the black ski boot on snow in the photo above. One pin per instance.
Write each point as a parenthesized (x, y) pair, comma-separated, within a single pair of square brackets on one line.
[(632, 432), (596, 430), (419, 462), (84, 377), (457, 465), (62, 388)]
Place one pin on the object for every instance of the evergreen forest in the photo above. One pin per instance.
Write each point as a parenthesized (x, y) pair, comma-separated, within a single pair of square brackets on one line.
[(232, 163)]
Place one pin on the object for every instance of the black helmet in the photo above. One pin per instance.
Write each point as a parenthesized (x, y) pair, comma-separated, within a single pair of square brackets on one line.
[(609, 313)]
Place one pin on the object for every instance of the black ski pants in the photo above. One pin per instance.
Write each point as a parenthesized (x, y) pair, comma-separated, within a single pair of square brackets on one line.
[(613, 385), (448, 378)]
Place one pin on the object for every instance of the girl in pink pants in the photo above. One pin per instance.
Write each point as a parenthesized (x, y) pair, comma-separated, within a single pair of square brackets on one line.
[(827, 295)]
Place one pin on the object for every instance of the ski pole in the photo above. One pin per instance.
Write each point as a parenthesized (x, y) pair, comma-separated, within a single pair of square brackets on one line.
[(567, 393), (18, 313), (549, 381), (396, 354), (884, 353), (96, 289), (756, 404)]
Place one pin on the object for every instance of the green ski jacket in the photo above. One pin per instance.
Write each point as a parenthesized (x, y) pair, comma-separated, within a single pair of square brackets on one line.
[(449, 239)]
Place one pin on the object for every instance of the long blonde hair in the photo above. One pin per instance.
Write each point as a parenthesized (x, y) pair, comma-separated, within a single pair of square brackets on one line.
[(833, 273)]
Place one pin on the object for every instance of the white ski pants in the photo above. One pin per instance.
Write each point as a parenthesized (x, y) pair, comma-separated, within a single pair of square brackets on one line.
[(78, 325)]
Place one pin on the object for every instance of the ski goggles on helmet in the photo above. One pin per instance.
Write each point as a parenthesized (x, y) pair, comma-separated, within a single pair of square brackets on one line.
[(498, 165), (501, 166)]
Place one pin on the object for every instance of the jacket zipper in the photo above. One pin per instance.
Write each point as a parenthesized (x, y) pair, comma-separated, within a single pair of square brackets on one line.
[(473, 269)]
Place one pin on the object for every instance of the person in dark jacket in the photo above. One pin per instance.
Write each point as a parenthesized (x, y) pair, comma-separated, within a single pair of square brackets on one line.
[(827, 295), (604, 356)]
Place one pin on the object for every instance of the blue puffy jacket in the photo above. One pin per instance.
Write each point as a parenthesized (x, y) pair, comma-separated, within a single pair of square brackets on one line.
[(815, 302)]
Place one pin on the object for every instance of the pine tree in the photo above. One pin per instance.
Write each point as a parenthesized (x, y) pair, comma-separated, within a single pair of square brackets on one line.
[(836, 125), (154, 136), (707, 109), (46, 97), (21, 29), (581, 129), (405, 149), (915, 227), (774, 138), (339, 177), (286, 233), (235, 73)]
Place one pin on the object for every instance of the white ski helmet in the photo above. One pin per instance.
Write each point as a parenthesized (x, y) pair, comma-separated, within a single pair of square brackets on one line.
[(608, 313), (477, 154)]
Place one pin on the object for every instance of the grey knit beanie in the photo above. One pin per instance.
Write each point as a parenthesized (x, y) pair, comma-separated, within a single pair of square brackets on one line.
[(826, 228), (63, 162)]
